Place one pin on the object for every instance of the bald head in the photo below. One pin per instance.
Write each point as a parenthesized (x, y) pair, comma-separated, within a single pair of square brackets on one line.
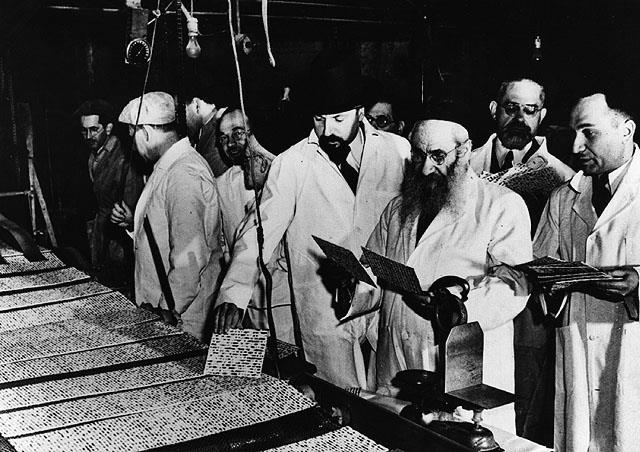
[(435, 138), (437, 134)]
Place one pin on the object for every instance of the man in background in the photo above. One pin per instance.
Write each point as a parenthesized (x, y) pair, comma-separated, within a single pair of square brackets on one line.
[(114, 179), (202, 119), (385, 114), (237, 189), (518, 111)]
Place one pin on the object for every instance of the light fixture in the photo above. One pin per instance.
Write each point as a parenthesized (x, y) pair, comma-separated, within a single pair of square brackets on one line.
[(193, 48), (536, 57)]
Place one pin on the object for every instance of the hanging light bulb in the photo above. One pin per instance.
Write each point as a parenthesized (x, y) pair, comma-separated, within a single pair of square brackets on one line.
[(536, 57), (193, 48)]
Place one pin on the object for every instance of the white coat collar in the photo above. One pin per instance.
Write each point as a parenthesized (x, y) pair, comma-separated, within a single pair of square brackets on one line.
[(621, 199), (172, 154), (577, 182)]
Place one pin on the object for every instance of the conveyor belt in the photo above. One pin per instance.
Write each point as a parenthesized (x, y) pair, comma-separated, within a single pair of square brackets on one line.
[(81, 368)]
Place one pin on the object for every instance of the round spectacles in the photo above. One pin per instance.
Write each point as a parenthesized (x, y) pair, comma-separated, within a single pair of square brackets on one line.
[(236, 134), (512, 109), (380, 121), (438, 156)]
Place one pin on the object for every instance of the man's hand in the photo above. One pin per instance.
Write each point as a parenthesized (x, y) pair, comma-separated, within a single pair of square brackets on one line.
[(121, 215), (615, 290), (227, 316)]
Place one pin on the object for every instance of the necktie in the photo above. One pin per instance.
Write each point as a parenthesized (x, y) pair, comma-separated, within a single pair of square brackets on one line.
[(350, 175), (508, 161), (601, 194)]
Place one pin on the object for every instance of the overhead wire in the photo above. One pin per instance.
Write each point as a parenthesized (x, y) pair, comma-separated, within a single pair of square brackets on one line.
[(273, 343)]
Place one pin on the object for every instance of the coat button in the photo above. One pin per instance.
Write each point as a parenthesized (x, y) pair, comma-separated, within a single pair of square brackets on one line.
[(592, 337)]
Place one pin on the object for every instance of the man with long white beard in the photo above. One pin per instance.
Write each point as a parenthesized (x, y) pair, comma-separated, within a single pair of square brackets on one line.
[(447, 221)]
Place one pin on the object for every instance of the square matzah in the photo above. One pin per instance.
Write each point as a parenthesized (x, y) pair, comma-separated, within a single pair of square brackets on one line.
[(239, 353)]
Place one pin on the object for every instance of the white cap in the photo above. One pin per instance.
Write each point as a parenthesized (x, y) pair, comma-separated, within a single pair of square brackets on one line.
[(157, 108)]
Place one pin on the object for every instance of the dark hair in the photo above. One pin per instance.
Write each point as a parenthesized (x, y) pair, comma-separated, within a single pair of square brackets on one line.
[(233, 109), (616, 95), (99, 107)]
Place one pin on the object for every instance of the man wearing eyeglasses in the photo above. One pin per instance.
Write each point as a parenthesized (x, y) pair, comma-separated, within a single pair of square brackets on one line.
[(383, 114), (237, 188), (114, 179), (333, 184), (448, 221), (518, 112)]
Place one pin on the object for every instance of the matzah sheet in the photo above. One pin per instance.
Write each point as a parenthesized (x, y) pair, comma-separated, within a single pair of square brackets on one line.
[(109, 310), (20, 264), (15, 373), (86, 385), (249, 405), (72, 336), (239, 353), (26, 300), (345, 439), (73, 412), (401, 277), (345, 259), (7, 251), (41, 280)]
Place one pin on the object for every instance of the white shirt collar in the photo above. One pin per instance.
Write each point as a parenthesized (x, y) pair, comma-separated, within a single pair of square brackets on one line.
[(518, 154)]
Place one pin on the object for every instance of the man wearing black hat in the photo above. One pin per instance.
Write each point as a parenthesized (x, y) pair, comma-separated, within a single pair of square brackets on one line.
[(333, 184)]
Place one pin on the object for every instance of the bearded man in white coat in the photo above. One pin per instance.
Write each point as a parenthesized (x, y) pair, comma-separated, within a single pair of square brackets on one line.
[(594, 219), (447, 221), (333, 184), (518, 111)]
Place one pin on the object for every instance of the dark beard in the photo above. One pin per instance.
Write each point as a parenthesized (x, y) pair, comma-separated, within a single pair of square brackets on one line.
[(335, 147), (515, 135), (422, 193)]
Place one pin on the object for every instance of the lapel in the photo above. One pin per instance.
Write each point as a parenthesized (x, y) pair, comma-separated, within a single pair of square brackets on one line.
[(582, 206), (314, 143), (624, 195), (481, 157), (207, 133)]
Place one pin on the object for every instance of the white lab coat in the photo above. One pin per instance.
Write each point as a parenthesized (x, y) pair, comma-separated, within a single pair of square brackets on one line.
[(306, 195), (597, 365), (489, 227), (235, 202), (480, 158), (181, 201)]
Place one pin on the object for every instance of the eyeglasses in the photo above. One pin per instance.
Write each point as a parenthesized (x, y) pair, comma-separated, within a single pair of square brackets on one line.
[(512, 108), (380, 121), (438, 156), (91, 131), (237, 135)]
